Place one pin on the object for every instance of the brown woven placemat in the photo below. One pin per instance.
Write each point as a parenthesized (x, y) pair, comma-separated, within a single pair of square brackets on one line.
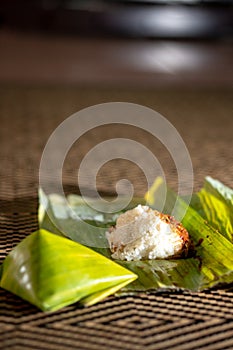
[(166, 320)]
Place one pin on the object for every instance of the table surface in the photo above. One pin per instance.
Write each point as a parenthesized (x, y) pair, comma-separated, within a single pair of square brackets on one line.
[(165, 320)]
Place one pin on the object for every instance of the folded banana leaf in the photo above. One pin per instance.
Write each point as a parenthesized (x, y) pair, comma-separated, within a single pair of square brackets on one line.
[(219, 190), (212, 248), (51, 272), (210, 264), (214, 202)]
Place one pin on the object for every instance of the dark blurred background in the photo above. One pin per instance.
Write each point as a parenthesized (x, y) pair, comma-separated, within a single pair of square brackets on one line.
[(116, 42), (128, 19)]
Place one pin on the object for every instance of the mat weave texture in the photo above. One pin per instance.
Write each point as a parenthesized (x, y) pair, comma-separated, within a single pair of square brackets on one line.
[(156, 321)]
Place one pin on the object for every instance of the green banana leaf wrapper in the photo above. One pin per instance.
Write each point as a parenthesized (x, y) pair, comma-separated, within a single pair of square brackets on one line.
[(207, 227), (214, 202), (51, 272), (210, 262)]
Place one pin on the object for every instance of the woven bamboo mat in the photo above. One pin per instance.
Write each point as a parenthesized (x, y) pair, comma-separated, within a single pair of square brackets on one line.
[(177, 320)]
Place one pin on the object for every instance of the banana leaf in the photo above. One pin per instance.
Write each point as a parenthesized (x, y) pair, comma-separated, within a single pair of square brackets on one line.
[(219, 190), (214, 202), (164, 274), (74, 218), (51, 272), (214, 251), (207, 266)]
